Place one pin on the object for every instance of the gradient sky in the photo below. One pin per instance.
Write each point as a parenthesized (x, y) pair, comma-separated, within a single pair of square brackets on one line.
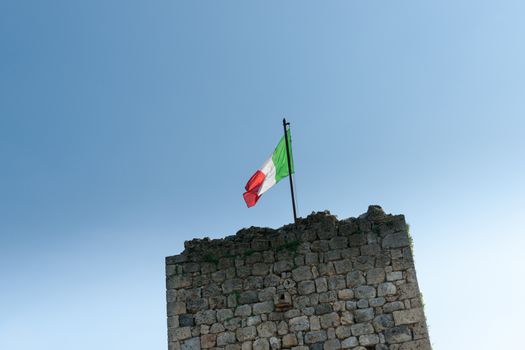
[(127, 127)]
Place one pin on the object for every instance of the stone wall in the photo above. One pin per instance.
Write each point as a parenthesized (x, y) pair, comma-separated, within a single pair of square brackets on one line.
[(320, 284)]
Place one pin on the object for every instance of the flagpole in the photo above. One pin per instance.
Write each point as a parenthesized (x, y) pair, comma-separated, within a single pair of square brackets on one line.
[(289, 167)]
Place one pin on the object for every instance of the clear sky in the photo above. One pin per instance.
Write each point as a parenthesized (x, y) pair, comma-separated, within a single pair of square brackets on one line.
[(127, 127)]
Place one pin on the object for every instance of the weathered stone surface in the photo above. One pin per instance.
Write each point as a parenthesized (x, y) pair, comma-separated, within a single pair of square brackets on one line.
[(343, 332), (387, 288), (330, 320), (336, 282), (186, 320), (321, 284), (275, 343), (365, 292), (306, 287), (332, 344), (398, 334), (267, 329), (345, 294), (354, 279), (196, 305), (282, 266), (348, 284), (225, 338), (408, 316), (192, 344), (362, 328), (362, 303), (315, 337), (375, 276), (422, 344), (206, 317), (394, 276), (246, 333), (396, 240), (232, 285), (393, 306), (383, 322), (364, 315), (182, 333), (349, 342), (368, 339), (302, 273), (208, 341), (408, 290), (289, 340), (243, 310), (263, 308), (248, 297), (261, 344), (300, 323), (376, 302), (343, 266)]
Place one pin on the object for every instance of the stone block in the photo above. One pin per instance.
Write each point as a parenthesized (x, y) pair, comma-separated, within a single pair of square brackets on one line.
[(393, 306), (267, 329), (248, 297), (345, 294), (343, 266), (368, 339), (282, 266), (399, 334), (330, 320), (383, 322), (354, 279), (422, 344), (395, 240), (321, 284), (315, 337), (394, 276), (243, 310), (226, 338), (387, 288), (365, 292), (336, 282), (302, 273), (192, 344), (408, 290), (306, 287), (363, 315), (332, 344), (182, 333), (300, 323), (263, 308), (408, 316), (261, 344), (224, 314), (339, 242), (206, 317), (260, 269), (350, 342), (289, 340), (375, 276), (362, 328), (208, 341), (343, 332)]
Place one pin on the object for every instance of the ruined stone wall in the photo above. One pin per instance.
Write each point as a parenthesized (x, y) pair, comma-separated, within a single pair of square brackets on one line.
[(320, 284)]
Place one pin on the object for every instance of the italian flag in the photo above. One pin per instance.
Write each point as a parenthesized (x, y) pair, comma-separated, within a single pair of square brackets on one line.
[(270, 173)]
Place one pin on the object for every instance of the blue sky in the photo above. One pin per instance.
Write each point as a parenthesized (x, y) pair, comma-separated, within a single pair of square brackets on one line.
[(127, 127)]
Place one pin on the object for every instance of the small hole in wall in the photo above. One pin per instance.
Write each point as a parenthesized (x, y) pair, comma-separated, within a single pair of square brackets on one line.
[(282, 296)]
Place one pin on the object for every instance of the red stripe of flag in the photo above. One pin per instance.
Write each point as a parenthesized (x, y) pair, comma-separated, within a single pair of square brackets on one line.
[(252, 188)]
